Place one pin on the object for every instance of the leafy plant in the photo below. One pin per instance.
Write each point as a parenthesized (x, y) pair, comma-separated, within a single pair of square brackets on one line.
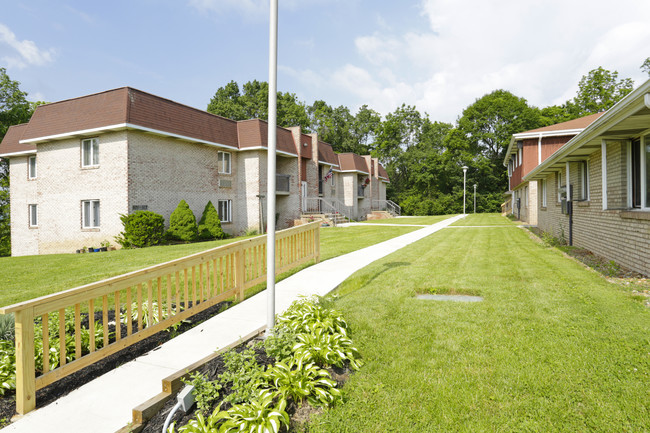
[(145, 314), (182, 224), (300, 380), (7, 366), (243, 373), (260, 415), (7, 327), (200, 424), (327, 349), (141, 229), (205, 391), (279, 344), (308, 314), (210, 224)]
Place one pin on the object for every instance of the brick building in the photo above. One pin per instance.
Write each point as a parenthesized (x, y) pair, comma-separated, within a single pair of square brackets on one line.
[(78, 164), (604, 171)]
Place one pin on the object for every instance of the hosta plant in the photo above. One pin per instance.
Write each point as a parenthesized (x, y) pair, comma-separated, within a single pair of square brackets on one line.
[(200, 424), (260, 415), (145, 314), (327, 349), (308, 314), (7, 366), (301, 380)]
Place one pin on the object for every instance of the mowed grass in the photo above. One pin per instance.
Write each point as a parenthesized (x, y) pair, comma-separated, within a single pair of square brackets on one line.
[(553, 347), (24, 278), (417, 220), (484, 219)]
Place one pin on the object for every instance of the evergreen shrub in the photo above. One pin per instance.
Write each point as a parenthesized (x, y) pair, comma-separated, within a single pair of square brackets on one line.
[(210, 224), (141, 229), (182, 224)]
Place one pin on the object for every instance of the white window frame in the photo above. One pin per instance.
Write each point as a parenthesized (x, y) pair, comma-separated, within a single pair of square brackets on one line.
[(221, 162), (584, 180), (32, 211), (332, 179), (543, 192), (558, 180), (93, 158), (31, 168), (92, 220), (224, 209)]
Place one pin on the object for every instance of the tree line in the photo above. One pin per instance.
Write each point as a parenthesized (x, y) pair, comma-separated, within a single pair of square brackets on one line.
[(423, 157)]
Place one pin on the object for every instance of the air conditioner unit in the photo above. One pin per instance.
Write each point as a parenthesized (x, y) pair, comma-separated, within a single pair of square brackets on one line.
[(225, 183)]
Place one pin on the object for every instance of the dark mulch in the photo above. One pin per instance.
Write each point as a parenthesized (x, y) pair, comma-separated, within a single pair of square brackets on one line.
[(300, 415), (62, 387)]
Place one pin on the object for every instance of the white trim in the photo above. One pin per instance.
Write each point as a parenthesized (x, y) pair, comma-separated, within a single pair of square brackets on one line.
[(118, 126), (643, 173), (223, 160), (544, 193), (603, 154), (630, 201), (355, 171), (539, 150), (568, 182), (29, 168), (34, 214), (24, 152), (327, 163), (281, 152), (560, 132)]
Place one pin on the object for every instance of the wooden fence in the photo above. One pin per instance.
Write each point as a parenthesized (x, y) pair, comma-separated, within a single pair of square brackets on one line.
[(67, 331)]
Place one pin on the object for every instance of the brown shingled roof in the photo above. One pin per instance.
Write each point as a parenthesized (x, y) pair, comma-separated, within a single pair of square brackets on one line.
[(129, 106), (326, 154), (382, 172), (353, 162), (253, 133), (580, 123), (11, 141)]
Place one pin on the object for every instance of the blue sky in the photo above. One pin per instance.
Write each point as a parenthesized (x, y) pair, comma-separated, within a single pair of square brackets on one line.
[(439, 55)]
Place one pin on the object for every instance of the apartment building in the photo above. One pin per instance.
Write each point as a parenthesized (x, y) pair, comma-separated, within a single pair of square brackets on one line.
[(79, 164)]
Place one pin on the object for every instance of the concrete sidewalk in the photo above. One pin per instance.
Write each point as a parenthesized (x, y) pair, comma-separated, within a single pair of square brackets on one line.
[(104, 405)]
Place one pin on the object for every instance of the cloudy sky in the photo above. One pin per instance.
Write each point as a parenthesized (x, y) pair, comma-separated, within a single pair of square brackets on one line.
[(439, 55)]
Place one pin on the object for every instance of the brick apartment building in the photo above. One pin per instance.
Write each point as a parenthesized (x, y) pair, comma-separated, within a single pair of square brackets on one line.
[(79, 164)]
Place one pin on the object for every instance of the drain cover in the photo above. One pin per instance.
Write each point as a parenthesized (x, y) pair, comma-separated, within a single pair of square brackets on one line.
[(456, 298)]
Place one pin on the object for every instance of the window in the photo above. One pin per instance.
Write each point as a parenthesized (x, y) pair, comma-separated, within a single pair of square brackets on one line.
[(33, 215), (32, 167), (525, 196), (90, 152), (584, 180), (544, 193), (90, 214), (646, 151), (560, 187), (520, 156), (332, 178), (224, 208), (224, 162)]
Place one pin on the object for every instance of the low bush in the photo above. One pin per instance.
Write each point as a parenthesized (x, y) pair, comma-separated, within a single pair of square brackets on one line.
[(141, 229), (182, 224)]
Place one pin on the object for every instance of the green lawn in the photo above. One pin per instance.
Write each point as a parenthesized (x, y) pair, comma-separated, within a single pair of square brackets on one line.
[(29, 277), (554, 347), (484, 219), (418, 220)]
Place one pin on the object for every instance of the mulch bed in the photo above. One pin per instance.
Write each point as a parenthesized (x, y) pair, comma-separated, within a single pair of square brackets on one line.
[(300, 415), (62, 387)]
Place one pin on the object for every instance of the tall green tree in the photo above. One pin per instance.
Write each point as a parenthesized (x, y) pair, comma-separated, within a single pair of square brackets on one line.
[(253, 102), (14, 109), (598, 91), (645, 67)]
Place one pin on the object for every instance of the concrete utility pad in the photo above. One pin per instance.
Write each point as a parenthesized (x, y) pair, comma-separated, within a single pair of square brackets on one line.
[(455, 298)]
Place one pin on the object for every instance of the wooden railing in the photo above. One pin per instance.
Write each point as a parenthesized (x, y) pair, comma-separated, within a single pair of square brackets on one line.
[(142, 302)]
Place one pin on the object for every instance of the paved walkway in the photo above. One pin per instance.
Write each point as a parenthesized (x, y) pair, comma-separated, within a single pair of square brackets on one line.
[(104, 405)]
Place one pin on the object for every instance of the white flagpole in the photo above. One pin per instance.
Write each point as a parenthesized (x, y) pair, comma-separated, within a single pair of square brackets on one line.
[(272, 138)]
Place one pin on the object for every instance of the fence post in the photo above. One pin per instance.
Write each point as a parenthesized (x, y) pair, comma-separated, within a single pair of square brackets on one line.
[(25, 374), (317, 244), (240, 272)]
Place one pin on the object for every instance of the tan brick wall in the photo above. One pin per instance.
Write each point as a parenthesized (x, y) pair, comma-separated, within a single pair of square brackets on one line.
[(163, 171), (63, 184), (24, 240), (610, 233)]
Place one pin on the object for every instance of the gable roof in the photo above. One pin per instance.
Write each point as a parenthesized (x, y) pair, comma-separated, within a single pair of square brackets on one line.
[(383, 174), (353, 162), (11, 142), (569, 128), (326, 154)]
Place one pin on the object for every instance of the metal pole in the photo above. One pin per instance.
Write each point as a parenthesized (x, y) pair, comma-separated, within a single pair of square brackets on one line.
[(272, 141), (474, 198), (464, 187)]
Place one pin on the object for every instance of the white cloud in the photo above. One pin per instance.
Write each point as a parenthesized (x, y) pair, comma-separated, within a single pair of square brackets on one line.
[(247, 7), (28, 52)]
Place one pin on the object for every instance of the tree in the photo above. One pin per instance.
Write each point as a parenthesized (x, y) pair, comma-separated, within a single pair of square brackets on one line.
[(14, 109), (253, 103), (598, 91), (645, 67)]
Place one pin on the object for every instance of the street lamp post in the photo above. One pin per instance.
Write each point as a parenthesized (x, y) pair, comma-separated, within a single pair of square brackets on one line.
[(464, 185), (474, 198)]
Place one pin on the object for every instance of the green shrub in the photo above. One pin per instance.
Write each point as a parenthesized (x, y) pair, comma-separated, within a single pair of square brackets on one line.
[(210, 224), (244, 375), (182, 224), (205, 391), (141, 229)]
